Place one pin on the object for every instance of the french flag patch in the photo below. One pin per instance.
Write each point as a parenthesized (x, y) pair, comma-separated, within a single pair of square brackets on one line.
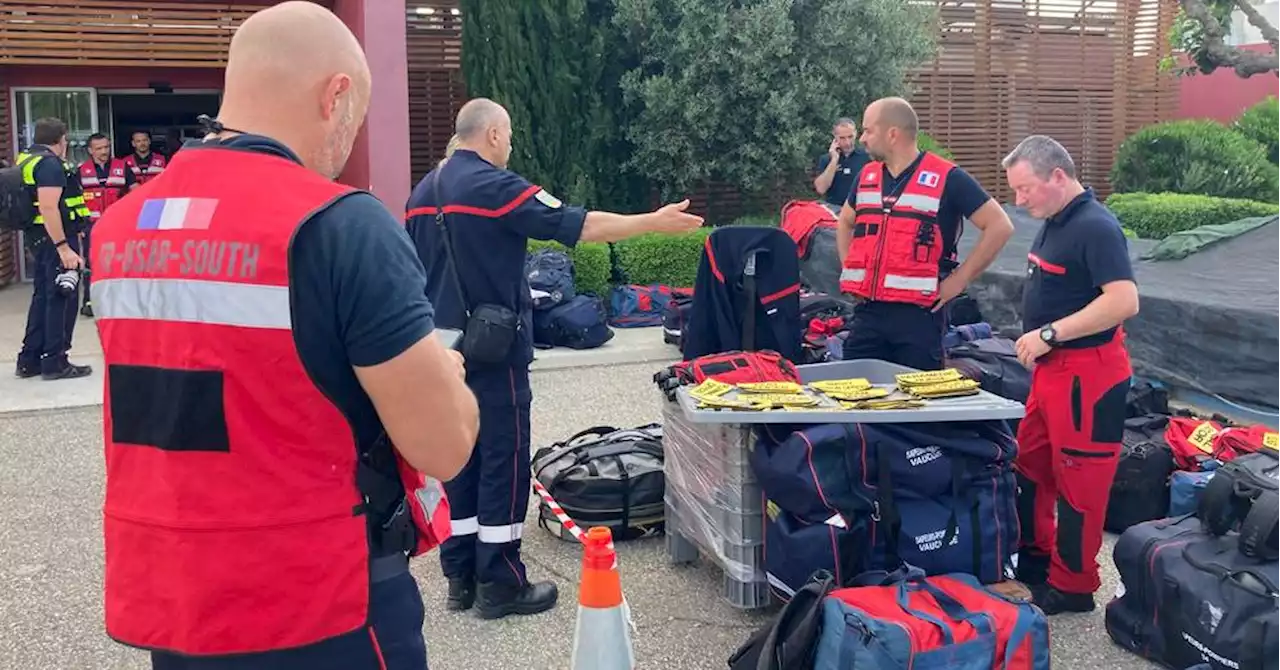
[(177, 214), (928, 179)]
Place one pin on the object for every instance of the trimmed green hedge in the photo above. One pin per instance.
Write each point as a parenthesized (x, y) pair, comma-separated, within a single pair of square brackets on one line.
[(662, 259), (1259, 123), (1200, 157), (591, 265), (1158, 215)]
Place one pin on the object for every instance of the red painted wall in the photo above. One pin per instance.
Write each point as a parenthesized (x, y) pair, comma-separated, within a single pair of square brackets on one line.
[(110, 77), (1221, 96)]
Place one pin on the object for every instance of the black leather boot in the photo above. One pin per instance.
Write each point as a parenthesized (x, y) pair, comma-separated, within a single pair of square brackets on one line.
[(1033, 567), (1052, 601), (462, 595), (495, 601)]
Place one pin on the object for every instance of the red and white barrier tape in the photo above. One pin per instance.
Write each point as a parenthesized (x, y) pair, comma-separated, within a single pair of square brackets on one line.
[(565, 522)]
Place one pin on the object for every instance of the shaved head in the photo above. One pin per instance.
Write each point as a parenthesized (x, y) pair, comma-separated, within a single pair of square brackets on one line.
[(297, 74), (889, 129), (484, 126)]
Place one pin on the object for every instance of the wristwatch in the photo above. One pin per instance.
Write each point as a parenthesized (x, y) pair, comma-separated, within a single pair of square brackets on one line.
[(58, 244), (1049, 335)]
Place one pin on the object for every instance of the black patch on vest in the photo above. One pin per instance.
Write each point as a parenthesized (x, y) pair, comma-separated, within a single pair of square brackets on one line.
[(174, 410)]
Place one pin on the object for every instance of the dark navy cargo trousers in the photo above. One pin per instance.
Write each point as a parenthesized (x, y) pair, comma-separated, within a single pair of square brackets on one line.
[(393, 640)]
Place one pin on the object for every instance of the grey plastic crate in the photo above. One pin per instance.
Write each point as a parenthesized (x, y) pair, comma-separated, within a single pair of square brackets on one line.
[(983, 406)]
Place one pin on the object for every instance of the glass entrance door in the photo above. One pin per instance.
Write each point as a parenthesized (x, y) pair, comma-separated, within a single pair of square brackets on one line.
[(77, 107)]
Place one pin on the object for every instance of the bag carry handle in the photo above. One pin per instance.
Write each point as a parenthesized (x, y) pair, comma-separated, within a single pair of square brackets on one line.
[(774, 653), (949, 606), (1261, 526)]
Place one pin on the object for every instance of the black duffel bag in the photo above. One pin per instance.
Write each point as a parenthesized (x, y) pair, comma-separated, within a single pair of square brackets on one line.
[(604, 476), (1140, 490), (1244, 491)]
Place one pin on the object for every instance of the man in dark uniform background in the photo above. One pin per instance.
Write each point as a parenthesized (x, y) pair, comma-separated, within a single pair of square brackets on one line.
[(491, 214), (839, 167), (888, 329), (54, 243), (1080, 288)]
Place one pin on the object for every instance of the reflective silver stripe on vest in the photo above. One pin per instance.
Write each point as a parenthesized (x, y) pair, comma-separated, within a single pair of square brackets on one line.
[(853, 274), (868, 198), (193, 301), (920, 203), (89, 182), (921, 284)]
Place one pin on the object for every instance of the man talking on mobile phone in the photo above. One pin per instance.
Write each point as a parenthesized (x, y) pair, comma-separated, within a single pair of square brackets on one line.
[(839, 167)]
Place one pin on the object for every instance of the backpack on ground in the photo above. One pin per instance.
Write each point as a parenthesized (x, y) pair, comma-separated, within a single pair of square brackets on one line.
[(17, 200), (1243, 493), (945, 621), (637, 306), (551, 278), (604, 476), (1188, 597), (791, 638), (733, 367), (1140, 489), (1187, 488), (993, 363), (578, 323), (675, 317)]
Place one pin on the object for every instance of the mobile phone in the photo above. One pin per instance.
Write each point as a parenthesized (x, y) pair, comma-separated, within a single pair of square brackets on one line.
[(451, 338)]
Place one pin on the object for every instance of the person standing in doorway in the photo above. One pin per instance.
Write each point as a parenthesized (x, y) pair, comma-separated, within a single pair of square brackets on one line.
[(54, 243), (105, 180), (144, 163), (1080, 288), (840, 166)]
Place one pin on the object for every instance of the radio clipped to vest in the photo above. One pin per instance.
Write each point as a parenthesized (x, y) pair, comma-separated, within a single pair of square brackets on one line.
[(410, 508), (490, 330)]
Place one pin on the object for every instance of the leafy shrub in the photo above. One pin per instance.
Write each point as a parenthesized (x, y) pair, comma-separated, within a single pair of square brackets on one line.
[(591, 264), (1196, 157), (761, 220), (1261, 123), (1158, 215), (927, 143), (662, 259)]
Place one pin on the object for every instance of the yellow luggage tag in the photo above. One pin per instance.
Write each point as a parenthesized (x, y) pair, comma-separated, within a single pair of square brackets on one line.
[(812, 408), (710, 388), (870, 393), (1271, 441), (830, 386), (780, 399), (928, 377), (771, 387), (1202, 437), (961, 387), (725, 403)]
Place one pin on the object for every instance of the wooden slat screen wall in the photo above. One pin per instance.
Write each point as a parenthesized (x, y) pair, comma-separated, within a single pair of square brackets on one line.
[(8, 241), (1082, 71), (115, 32), (436, 89)]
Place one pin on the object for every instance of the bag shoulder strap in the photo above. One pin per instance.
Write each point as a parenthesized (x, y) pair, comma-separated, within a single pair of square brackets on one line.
[(1259, 528), (780, 652), (448, 247)]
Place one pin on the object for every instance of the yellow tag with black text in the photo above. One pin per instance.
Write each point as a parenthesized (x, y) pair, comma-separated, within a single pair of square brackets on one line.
[(770, 387), (840, 385), (1271, 441), (1202, 437), (710, 388)]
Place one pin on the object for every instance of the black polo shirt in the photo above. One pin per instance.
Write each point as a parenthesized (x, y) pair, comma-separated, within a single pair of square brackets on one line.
[(491, 214), (357, 291), (961, 197), (1076, 252), (850, 167)]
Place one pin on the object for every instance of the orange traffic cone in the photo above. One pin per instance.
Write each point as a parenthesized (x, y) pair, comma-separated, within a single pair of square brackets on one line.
[(603, 638)]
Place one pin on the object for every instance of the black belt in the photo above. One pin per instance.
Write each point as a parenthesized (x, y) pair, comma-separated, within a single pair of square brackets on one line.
[(383, 568)]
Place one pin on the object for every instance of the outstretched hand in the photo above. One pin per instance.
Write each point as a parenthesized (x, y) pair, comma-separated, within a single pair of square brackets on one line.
[(674, 219)]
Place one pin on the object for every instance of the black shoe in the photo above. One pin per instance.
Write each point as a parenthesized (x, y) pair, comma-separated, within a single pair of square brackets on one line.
[(68, 371), (462, 595), (495, 601), (1051, 601), (26, 370), (1033, 567), (87, 310)]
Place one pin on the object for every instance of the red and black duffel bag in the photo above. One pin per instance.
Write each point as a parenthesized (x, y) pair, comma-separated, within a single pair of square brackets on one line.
[(731, 367)]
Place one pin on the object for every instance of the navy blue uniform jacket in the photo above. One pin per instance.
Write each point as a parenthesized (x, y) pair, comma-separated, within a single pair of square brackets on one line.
[(717, 320), (491, 214)]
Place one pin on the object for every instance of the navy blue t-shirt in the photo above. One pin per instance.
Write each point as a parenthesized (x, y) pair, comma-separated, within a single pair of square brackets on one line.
[(357, 290), (1076, 252), (961, 197), (846, 175), (51, 172), (491, 214)]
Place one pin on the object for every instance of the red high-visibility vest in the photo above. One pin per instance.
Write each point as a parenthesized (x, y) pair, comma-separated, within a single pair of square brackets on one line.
[(235, 515), (896, 247), (99, 194), (145, 173)]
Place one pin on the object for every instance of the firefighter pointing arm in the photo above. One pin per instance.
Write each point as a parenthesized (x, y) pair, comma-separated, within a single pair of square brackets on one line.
[(1080, 288)]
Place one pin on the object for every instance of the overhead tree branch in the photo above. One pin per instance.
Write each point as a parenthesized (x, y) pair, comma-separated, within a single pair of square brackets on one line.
[(1214, 52)]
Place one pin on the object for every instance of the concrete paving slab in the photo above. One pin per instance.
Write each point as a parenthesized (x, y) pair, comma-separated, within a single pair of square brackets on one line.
[(51, 480)]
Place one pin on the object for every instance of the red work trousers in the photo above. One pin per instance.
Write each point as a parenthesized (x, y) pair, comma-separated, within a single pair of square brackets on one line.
[(1068, 448)]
